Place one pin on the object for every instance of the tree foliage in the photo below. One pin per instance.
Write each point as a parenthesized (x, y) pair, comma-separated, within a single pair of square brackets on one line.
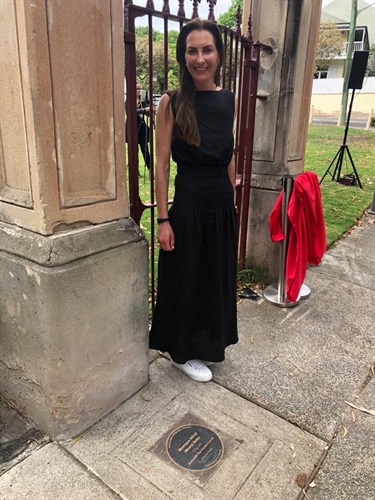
[(143, 60), (330, 45), (371, 61), (229, 18)]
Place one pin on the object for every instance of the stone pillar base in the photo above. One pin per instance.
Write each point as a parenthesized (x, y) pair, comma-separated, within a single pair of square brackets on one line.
[(261, 251), (73, 322)]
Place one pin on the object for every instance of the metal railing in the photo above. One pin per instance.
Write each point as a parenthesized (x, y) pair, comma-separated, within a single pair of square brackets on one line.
[(357, 46)]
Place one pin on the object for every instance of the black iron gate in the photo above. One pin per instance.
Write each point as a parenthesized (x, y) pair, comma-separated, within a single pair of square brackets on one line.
[(239, 74)]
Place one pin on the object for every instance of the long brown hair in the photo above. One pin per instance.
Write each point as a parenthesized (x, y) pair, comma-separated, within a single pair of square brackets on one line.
[(186, 126)]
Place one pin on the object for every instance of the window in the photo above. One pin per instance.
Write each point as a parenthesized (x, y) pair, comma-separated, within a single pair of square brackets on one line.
[(320, 74)]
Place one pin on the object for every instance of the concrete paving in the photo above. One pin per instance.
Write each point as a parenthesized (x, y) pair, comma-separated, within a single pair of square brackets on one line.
[(291, 410)]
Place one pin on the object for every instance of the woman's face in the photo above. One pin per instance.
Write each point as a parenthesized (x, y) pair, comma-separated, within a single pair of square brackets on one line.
[(202, 58)]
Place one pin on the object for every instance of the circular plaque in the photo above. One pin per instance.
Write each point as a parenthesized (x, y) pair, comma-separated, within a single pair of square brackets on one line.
[(195, 447)]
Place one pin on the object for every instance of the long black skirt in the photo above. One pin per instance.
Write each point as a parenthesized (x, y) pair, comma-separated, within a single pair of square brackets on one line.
[(196, 310)]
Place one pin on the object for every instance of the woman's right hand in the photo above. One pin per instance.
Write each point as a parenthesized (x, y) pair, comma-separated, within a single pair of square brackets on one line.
[(166, 236), (164, 131)]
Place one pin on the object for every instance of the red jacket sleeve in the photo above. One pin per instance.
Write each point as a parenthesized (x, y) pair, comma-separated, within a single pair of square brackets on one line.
[(275, 220)]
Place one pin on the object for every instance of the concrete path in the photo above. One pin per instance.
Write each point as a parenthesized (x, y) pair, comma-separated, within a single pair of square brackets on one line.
[(290, 412)]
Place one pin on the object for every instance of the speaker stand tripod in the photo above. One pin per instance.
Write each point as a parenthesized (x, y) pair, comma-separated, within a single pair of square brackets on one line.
[(344, 149)]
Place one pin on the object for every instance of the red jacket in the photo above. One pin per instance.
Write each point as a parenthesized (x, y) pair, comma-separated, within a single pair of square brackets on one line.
[(307, 235)]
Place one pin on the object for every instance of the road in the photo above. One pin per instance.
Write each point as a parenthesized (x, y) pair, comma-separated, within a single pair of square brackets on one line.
[(332, 120)]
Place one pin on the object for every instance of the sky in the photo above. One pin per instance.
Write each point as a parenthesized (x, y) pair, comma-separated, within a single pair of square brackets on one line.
[(326, 2), (221, 6)]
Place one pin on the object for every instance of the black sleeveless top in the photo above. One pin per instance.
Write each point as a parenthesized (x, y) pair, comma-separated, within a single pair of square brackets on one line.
[(215, 113)]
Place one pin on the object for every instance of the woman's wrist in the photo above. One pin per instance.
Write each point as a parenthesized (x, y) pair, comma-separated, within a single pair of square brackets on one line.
[(161, 220)]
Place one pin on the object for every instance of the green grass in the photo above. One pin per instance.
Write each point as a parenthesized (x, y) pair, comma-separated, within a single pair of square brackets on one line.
[(144, 192), (343, 205)]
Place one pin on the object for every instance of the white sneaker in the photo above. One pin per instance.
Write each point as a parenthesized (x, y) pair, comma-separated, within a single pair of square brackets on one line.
[(195, 369), (165, 354)]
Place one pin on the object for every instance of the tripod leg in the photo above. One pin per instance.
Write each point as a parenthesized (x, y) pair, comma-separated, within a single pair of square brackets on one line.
[(354, 169), (337, 173), (329, 167)]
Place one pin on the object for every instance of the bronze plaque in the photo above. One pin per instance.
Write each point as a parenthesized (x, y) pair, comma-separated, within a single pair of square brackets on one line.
[(195, 447)]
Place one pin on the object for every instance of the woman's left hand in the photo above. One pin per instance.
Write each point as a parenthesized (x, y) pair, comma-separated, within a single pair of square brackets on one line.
[(166, 237)]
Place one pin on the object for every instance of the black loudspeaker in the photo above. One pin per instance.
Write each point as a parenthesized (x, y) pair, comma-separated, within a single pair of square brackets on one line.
[(358, 70)]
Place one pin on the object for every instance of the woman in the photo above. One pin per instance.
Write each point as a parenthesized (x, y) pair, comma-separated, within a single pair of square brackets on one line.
[(195, 317)]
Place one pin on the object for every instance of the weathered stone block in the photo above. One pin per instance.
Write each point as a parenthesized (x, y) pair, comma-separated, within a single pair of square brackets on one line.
[(74, 322)]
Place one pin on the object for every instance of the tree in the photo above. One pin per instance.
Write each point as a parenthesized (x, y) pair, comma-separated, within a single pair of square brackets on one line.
[(229, 18), (143, 62), (330, 45), (141, 31)]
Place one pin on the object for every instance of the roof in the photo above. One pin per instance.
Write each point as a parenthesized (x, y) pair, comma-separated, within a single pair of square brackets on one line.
[(338, 11)]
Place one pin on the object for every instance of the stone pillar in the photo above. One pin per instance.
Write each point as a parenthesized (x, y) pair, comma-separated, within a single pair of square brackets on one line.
[(73, 303), (282, 114)]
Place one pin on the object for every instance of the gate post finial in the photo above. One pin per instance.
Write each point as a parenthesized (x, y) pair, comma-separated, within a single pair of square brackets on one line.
[(211, 14), (166, 8), (195, 8), (238, 21), (150, 4), (181, 8), (249, 34)]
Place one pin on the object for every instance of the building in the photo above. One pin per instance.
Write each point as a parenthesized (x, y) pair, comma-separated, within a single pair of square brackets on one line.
[(328, 83)]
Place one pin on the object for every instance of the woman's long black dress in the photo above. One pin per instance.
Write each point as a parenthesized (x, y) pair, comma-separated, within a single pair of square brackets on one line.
[(196, 311)]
